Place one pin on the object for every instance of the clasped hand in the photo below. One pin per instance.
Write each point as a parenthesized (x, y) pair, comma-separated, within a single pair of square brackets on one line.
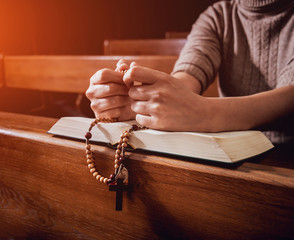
[(155, 99)]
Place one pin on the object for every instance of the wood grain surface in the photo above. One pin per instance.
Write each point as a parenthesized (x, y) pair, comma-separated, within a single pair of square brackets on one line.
[(132, 47), (1, 71), (69, 73), (72, 73), (47, 192)]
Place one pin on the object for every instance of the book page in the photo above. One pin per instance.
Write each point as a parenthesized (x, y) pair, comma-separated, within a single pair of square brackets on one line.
[(222, 146)]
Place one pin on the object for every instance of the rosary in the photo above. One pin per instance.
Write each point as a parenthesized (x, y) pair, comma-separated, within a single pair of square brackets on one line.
[(117, 181)]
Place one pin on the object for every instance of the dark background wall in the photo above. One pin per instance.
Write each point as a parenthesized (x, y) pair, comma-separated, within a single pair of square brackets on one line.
[(80, 26)]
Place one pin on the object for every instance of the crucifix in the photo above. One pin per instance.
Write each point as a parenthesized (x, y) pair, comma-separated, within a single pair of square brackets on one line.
[(119, 187)]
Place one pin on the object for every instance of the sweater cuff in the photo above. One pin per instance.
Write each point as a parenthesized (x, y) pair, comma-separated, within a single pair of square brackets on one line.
[(193, 68)]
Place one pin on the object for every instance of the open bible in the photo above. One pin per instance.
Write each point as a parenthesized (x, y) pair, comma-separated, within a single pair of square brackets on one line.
[(223, 146)]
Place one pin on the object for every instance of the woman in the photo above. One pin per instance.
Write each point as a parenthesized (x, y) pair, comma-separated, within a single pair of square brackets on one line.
[(249, 43)]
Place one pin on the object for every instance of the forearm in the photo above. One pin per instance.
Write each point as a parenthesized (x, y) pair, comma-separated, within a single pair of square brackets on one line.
[(254, 111)]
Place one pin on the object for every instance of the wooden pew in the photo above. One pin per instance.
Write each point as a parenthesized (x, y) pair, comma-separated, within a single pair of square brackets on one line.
[(71, 73), (47, 192), (144, 47), (1, 71), (175, 34), (68, 73)]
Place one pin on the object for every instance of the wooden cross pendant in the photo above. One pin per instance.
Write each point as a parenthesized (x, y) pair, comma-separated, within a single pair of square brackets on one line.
[(119, 187)]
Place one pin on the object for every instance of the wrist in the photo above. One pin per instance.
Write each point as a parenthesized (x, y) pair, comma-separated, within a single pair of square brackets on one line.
[(191, 82)]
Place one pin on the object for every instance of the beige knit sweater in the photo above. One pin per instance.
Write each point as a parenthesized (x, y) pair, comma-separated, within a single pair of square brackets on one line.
[(250, 43)]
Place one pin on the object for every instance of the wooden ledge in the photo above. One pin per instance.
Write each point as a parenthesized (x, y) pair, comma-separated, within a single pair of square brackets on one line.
[(35, 128), (48, 192)]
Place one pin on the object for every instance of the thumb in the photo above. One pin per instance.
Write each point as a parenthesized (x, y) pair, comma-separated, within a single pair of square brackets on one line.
[(130, 82), (134, 64), (122, 65)]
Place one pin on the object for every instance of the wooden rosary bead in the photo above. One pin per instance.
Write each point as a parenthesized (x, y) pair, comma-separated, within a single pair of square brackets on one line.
[(124, 145), (134, 127), (91, 165), (112, 177), (88, 135), (119, 153), (95, 174), (89, 161)]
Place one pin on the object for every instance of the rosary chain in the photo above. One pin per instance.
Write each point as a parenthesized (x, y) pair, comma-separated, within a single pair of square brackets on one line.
[(119, 153)]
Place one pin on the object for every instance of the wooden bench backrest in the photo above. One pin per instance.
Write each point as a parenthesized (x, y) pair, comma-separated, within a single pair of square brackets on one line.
[(1, 71), (144, 47), (173, 34), (68, 73)]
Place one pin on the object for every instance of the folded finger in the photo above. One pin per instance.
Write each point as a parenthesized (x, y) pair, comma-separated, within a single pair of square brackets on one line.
[(141, 93), (145, 120), (106, 76), (133, 64), (122, 65), (141, 75), (141, 107), (104, 104), (110, 113), (106, 90)]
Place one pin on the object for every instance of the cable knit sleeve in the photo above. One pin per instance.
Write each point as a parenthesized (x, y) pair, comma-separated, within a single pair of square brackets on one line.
[(200, 56), (286, 77)]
